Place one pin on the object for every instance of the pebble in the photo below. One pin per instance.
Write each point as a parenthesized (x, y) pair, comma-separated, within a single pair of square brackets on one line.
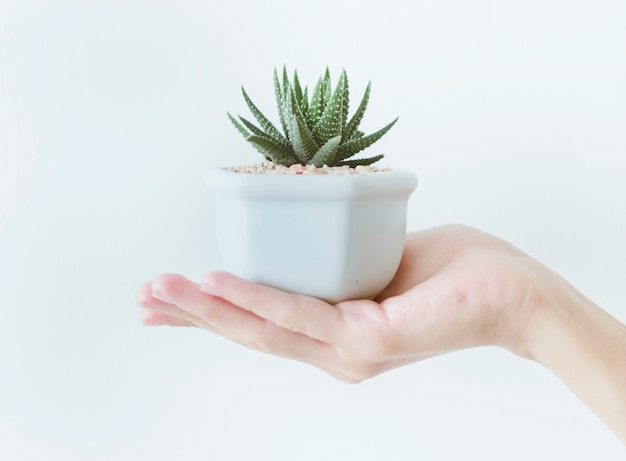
[(268, 167)]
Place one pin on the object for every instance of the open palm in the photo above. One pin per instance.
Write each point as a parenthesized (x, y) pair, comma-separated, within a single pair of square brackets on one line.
[(456, 288)]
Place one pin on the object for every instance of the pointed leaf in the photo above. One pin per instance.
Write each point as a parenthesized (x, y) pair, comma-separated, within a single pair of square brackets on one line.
[(257, 131), (327, 90), (326, 154), (315, 108), (277, 88), (302, 139), (346, 104), (356, 135), (332, 120), (350, 148), (355, 121), (272, 150), (304, 144), (360, 161), (297, 89), (280, 103), (266, 125), (304, 104), (286, 83), (252, 127), (239, 126)]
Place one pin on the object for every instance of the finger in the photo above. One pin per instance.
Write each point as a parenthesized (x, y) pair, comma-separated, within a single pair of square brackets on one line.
[(150, 317), (145, 298), (154, 312), (297, 313), (267, 337), (240, 325)]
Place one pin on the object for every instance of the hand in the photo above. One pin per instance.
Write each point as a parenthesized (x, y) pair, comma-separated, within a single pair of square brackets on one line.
[(456, 288)]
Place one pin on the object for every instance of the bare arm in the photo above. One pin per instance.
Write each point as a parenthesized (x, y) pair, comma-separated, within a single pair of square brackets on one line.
[(586, 348)]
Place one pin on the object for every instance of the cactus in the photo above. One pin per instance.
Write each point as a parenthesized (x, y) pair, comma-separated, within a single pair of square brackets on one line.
[(315, 131)]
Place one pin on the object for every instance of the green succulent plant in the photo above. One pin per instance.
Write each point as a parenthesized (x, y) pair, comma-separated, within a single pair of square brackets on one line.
[(315, 131)]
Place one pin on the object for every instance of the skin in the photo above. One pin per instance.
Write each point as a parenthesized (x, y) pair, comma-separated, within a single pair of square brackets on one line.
[(456, 288)]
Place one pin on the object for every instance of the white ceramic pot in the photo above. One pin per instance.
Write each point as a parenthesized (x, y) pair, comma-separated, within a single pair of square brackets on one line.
[(335, 237)]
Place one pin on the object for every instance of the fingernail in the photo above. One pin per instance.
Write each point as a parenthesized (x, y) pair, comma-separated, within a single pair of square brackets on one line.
[(160, 296), (207, 288)]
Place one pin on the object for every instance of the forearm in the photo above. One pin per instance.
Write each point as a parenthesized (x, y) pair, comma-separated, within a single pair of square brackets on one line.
[(586, 348)]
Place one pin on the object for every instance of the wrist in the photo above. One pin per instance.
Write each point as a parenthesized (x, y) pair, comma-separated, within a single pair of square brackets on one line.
[(586, 348)]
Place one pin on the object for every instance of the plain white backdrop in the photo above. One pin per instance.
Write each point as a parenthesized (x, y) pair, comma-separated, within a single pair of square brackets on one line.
[(513, 115)]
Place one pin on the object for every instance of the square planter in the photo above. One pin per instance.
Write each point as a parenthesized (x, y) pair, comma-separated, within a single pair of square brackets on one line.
[(335, 237)]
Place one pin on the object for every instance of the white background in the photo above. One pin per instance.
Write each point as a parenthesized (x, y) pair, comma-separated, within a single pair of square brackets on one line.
[(513, 115)]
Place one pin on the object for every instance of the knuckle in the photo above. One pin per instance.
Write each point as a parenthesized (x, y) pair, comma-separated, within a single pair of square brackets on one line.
[(290, 322), (291, 319)]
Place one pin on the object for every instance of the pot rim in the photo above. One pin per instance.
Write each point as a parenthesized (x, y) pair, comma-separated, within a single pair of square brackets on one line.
[(385, 183)]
